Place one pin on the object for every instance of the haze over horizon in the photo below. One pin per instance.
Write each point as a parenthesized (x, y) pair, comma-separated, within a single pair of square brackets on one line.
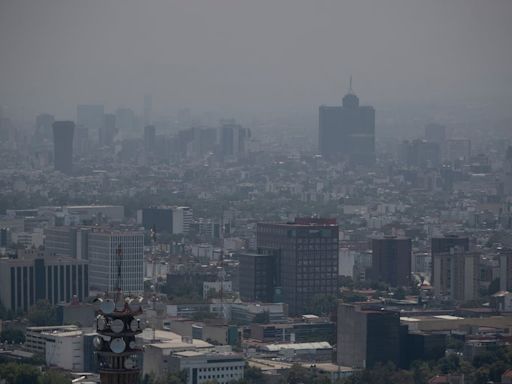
[(236, 57)]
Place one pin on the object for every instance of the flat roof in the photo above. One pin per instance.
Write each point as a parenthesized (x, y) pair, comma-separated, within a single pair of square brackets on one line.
[(297, 346), (330, 367), (448, 317), (177, 344), (410, 319), (57, 333), (268, 365)]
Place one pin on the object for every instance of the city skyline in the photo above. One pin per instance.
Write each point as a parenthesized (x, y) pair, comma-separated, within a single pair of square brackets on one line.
[(189, 57)]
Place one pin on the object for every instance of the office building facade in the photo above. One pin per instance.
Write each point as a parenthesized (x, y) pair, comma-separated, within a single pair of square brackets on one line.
[(455, 274), (149, 139), (33, 277), (391, 260), (259, 276), (443, 244), (367, 336), (103, 260), (173, 220), (505, 255), (63, 132), (233, 140), (43, 129), (308, 251), (108, 131), (91, 118), (67, 241)]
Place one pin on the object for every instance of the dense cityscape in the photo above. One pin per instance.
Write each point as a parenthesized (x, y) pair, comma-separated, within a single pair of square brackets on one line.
[(356, 244)]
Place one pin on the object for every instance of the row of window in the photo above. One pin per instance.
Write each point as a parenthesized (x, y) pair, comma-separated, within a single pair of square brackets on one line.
[(213, 369)]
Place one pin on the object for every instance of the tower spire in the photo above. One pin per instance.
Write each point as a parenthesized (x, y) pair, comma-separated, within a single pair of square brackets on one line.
[(350, 90)]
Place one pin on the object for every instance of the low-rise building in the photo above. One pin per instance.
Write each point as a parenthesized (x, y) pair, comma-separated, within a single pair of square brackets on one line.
[(35, 337), (202, 366), (65, 349), (33, 276)]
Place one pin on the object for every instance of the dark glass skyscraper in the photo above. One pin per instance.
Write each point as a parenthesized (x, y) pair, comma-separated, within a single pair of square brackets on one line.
[(391, 260), (347, 132), (367, 336), (63, 132), (308, 254)]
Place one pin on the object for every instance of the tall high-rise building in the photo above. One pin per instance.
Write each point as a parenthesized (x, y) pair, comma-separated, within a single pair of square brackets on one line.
[(391, 260), (367, 336), (125, 120), (43, 129), (91, 117), (421, 153), (308, 251), (455, 274), (441, 247), (148, 106), (108, 131), (66, 241), (233, 140), (347, 132), (81, 143), (33, 276), (149, 139), (63, 132), (443, 244), (103, 260), (259, 276), (505, 255)]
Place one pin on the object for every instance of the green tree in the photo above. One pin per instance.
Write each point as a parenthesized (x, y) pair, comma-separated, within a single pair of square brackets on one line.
[(380, 374), (421, 372), (53, 377), (253, 375), (449, 364), (43, 313), (14, 373), (322, 305), (12, 336), (399, 294), (298, 374)]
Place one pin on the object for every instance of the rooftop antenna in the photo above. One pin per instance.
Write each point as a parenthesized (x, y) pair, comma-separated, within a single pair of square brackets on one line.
[(350, 90)]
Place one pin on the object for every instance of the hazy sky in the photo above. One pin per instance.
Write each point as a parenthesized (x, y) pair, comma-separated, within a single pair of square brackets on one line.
[(257, 55)]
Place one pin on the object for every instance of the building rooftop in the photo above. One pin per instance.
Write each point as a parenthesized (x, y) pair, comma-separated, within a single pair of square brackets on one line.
[(329, 367), (63, 333), (297, 346)]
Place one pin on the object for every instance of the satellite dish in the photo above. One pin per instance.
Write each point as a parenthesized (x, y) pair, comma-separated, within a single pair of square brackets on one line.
[(134, 305), (101, 323), (117, 345), (97, 341), (107, 307), (135, 325), (117, 326), (129, 363)]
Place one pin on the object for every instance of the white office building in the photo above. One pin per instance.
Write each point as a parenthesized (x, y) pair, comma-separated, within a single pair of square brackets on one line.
[(103, 261), (36, 337), (201, 366), (181, 219), (65, 350)]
